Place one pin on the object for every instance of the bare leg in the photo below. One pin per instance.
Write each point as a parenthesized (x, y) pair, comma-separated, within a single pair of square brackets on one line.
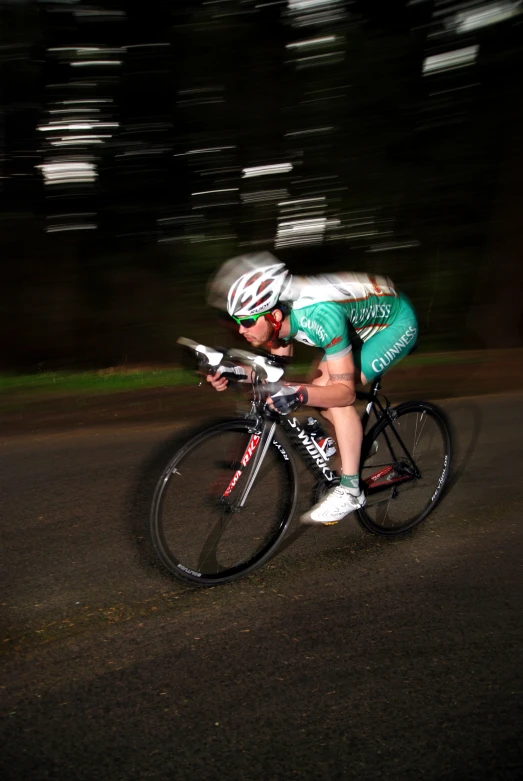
[(349, 434), (347, 427)]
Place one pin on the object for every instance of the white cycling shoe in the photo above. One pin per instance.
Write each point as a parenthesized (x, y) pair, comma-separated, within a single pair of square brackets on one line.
[(335, 505)]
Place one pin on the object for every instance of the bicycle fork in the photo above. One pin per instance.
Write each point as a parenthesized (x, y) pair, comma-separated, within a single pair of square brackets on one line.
[(257, 448)]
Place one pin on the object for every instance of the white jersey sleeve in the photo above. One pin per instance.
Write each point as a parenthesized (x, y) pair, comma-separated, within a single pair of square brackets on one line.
[(342, 287)]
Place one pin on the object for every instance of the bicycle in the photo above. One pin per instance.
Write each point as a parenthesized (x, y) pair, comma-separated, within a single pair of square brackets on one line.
[(226, 498)]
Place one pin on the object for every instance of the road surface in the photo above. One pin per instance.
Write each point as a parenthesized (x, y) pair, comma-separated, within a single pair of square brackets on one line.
[(347, 656)]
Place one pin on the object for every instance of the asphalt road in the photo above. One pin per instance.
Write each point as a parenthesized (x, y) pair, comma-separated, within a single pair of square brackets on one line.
[(347, 656)]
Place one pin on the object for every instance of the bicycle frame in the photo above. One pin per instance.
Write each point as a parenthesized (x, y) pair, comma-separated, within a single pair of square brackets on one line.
[(373, 402), (262, 435), (264, 426), (306, 445), (269, 368)]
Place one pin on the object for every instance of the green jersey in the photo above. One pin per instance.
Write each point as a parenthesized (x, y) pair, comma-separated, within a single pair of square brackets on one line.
[(327, 311)]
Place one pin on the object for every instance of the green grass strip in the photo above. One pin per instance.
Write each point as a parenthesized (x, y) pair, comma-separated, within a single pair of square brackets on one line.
[(120, 379), (105, 381)]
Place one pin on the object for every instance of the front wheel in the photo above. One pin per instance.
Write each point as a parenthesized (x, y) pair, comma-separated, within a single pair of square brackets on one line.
[(405, 465), (198, 528)]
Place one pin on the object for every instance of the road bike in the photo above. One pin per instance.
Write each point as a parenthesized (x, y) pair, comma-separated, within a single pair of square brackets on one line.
[(228, 495)]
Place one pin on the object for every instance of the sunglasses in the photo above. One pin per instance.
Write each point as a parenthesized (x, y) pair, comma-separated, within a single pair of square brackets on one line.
[(248, 322)]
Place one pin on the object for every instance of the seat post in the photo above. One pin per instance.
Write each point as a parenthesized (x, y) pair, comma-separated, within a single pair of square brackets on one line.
[(376, 385)]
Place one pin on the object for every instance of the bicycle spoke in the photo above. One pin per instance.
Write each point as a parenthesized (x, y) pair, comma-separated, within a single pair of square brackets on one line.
[(417, 436)]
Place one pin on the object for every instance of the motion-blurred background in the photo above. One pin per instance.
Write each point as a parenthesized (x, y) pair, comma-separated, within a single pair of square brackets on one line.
[(142, 144)]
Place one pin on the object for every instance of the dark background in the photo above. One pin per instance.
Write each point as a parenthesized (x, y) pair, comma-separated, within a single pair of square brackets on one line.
[(151, 112)]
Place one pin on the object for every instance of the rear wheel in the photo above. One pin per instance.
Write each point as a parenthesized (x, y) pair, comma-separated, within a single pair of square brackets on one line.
[(405, 465), (198, 530)]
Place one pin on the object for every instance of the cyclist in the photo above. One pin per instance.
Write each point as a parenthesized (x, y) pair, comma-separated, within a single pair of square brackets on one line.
[(363, 324)]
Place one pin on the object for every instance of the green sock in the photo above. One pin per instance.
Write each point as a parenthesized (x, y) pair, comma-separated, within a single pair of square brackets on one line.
[(352, 482)]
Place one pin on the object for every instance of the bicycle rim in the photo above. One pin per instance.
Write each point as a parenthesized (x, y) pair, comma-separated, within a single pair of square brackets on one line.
[(199, 532), (403, 484)]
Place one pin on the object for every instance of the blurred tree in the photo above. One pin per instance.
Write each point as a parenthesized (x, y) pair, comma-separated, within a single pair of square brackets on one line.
[(411, 175)]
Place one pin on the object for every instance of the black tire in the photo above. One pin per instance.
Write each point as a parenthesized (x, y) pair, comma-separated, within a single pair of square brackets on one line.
[(403, 488), (196, 533)]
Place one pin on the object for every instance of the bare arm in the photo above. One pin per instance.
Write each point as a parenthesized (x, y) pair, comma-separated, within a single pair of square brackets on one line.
[(340, 388)]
